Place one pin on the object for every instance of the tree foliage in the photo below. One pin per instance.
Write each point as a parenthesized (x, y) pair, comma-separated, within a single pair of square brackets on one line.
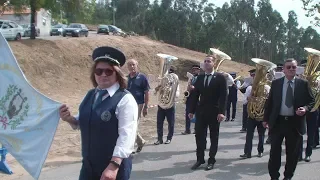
[(238, 28)]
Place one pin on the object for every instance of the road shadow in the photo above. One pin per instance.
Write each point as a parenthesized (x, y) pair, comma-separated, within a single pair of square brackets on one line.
[(157, 156), (161, 174)]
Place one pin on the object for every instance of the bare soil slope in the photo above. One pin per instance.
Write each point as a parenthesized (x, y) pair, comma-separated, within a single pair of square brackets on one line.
[(60, 69)]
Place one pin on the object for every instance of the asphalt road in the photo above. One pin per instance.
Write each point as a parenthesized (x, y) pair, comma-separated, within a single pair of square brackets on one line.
[(173, 161)]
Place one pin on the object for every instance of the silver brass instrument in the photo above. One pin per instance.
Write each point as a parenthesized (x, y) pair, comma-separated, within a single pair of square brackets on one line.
[(312, 75), (221, 57), (187, 93), (259, 95), (167, 88)]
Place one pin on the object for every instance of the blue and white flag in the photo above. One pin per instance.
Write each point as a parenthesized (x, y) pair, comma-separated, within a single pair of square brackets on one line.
[(28, 119)]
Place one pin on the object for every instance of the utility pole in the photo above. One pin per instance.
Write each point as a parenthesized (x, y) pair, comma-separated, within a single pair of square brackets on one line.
[(114, 12)]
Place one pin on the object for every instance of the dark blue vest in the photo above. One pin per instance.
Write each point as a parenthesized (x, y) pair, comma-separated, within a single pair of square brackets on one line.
[(233, 93), (99, 129)]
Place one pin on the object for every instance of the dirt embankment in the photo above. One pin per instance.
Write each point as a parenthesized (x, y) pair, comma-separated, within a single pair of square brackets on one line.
[(60, 69)]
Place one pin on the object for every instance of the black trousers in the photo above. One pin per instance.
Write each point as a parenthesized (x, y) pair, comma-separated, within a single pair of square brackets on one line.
[(312, 125), (202, 124), (252, 124), (233, 102), (284, 129), (244, 116)]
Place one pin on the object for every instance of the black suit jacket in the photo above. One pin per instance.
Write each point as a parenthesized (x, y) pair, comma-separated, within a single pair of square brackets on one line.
[(212, 98), (303, 97)]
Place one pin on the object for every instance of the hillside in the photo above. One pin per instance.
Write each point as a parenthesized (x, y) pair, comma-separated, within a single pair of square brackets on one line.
[(60, 69)]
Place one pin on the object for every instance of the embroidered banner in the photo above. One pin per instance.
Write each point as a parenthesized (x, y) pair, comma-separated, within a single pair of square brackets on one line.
[(28, 119)]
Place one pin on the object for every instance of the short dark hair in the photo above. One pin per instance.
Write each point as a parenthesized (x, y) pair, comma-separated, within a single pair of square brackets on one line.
[(289, 60)]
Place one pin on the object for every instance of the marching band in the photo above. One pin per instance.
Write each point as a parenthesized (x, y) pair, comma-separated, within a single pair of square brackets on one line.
[(278, 98)]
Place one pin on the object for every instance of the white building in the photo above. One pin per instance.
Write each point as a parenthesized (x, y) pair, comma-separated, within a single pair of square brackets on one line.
[(43, 19)]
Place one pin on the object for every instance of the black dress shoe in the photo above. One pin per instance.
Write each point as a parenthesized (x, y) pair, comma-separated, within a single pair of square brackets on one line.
[(167, 141), (197, 164), (209, 166), (233, 119), (158, 142), (260, 154), (245, 156), (140, 147), (307, 159), (227, 119), (186, 132), (286, 178), (268, 141), (243, 130)]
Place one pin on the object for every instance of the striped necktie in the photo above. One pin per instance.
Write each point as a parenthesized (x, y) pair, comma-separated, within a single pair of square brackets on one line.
[(98, 101)]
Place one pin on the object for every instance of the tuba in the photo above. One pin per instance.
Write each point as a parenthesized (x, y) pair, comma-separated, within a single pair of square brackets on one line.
[(222, 57), (259, 95), (167, 88), (312, 75)]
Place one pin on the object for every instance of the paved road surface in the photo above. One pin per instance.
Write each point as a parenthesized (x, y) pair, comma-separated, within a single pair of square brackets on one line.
[(173, 161)]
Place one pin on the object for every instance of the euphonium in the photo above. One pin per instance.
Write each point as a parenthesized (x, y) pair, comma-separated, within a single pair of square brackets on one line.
[(221, 57), (312, 75), (259, 95), (168, 82)]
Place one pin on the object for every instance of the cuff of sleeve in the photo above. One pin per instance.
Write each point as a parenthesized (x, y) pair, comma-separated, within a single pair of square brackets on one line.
[(221, 112), (121, 152)]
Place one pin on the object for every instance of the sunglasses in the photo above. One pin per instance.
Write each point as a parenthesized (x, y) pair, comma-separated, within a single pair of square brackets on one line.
[(107, 72), (291, 67)]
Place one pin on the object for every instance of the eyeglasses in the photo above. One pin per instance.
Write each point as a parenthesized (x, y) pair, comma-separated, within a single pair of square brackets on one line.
[(293, 67), (107, 72)]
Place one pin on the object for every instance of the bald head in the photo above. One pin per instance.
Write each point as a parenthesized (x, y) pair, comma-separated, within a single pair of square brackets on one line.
[(132, 66)]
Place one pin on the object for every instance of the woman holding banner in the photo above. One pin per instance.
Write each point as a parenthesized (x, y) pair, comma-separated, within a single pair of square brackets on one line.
[(107, 120)]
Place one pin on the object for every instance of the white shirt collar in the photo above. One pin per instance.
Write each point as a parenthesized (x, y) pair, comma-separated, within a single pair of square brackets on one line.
[(286, 80), (112, 89), (210, 73)]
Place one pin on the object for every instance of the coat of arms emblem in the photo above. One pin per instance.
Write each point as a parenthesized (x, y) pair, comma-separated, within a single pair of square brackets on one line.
[(13, 108)]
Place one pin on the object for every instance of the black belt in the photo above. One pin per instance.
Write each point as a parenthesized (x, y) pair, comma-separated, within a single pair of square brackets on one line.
[(285, 117)]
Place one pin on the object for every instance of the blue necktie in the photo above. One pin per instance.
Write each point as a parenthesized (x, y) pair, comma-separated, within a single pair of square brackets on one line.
[(98, 101)]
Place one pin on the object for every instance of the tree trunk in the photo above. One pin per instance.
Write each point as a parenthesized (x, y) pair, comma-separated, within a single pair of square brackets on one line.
[(33, 19)]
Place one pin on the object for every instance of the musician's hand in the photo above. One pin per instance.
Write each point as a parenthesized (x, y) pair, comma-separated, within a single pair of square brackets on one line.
[(190, 115), (220, 117), (190, 88), (64, 113), (110, 173), (145, 111), (265, 124), (301, 111)]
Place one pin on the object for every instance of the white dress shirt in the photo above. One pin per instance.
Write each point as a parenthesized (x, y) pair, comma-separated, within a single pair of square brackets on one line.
[(210, 77), (238, 84), (127, 115), (284, 110), (248, 92)]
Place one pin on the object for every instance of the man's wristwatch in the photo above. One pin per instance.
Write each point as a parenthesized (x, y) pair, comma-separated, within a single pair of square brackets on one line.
[(115, 163)]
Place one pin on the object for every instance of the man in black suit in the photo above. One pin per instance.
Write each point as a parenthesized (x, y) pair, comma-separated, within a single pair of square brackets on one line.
[(211, 87), (289, 99)]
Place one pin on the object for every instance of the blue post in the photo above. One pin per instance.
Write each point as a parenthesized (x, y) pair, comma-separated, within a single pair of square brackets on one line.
[(3, 163)]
